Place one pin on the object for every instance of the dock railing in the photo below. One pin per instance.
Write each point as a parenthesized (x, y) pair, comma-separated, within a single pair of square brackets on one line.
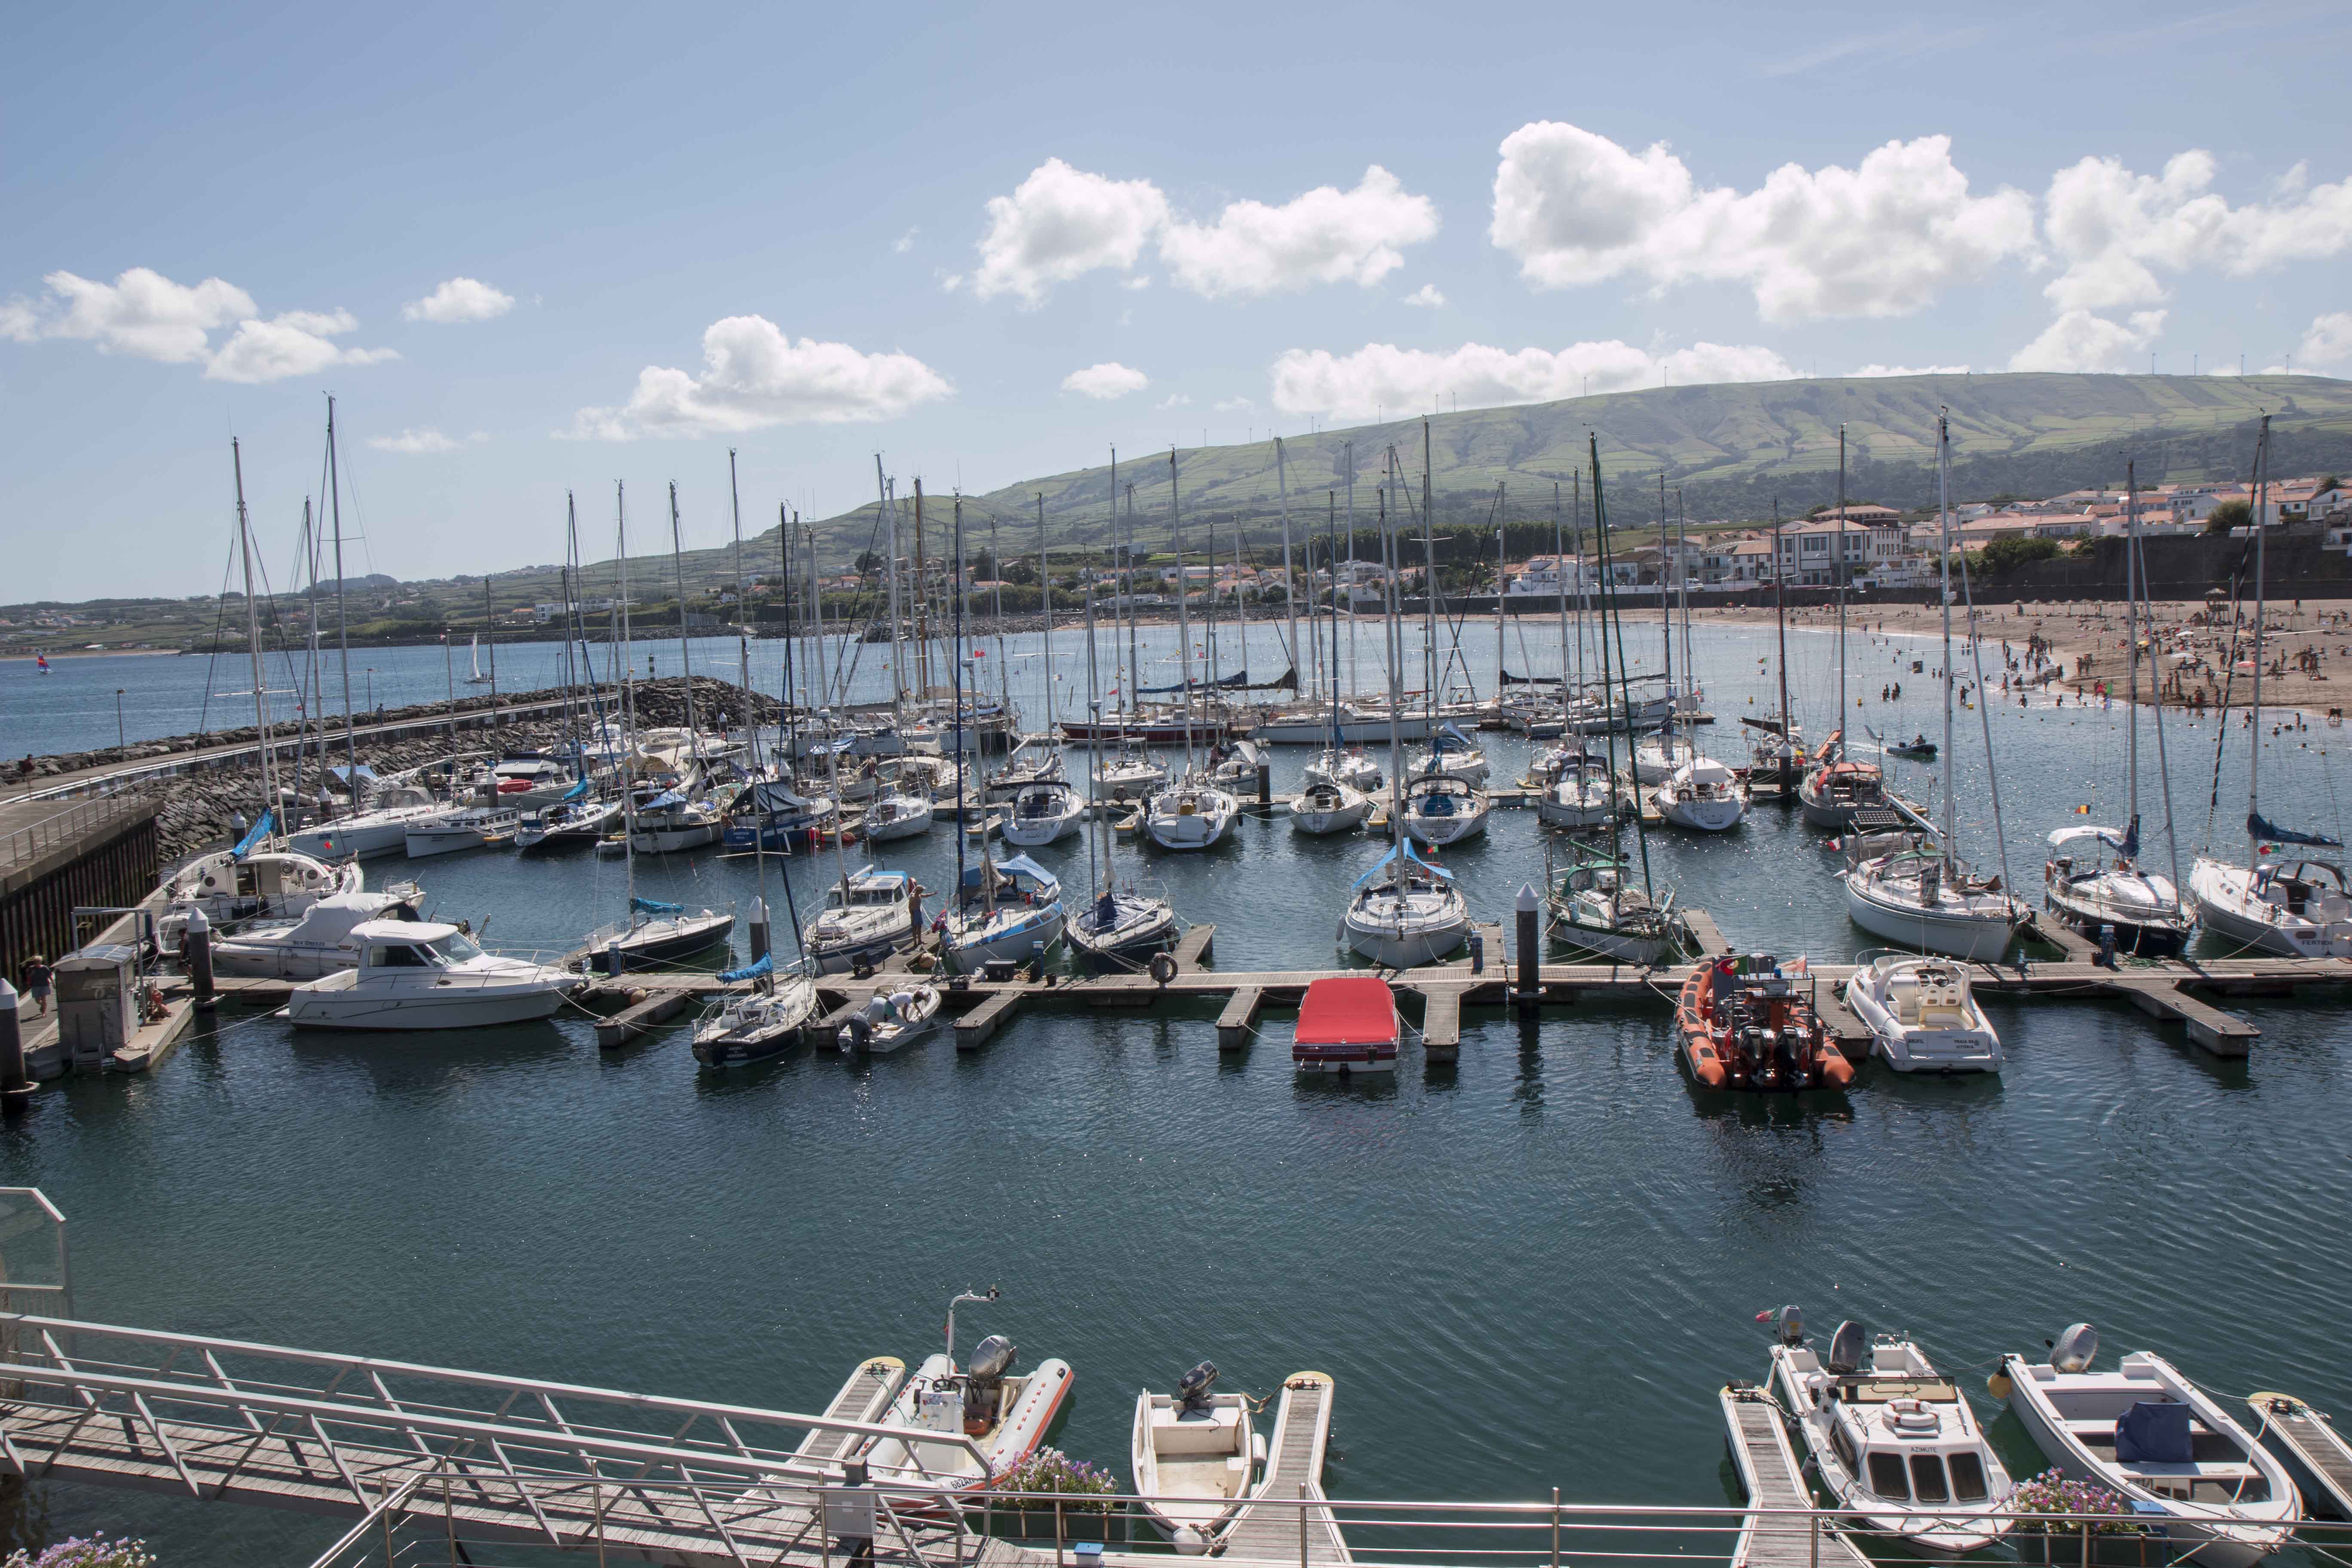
[(433, 1519)]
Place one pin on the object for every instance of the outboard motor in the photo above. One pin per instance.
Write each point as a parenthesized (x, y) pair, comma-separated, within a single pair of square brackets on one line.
[(1846, 1349), (1789, 1324), (990, 1360), (1192, 1389), (2076, 1349)]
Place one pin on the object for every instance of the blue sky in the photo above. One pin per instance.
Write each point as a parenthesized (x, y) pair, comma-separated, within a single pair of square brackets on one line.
[(533, 251)]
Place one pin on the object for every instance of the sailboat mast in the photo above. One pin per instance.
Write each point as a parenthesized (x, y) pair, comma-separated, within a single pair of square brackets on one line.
[(1666, 622), (1094, 742), (1780, 626), (1681, 592), (1183, 622), (996, 611), (1429, 589), (1330, 554), (1289, 588), (253, 634), (743, 661), (1395, 642), (1560, 568), (2255, 732), (684, 658), (890, 578), (628, 697), (2131, 641), (1349, 449), (342, 622), (1046, 589), (1837, 575), (1944, 545), (1502, 580), (1134, 650), (1611, 609), (956, 664)]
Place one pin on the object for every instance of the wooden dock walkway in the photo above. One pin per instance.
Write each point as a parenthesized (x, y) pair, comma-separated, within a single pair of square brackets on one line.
[(1769, 1475), (1294, 1470)]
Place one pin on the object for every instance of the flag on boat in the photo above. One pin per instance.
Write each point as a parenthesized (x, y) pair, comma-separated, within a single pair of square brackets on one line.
[(2082, 811)]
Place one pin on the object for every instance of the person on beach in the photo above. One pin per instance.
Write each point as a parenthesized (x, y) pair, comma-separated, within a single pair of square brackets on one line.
[(37, 975)]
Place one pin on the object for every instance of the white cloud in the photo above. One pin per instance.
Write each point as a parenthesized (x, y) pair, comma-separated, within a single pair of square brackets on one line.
[(424, 441), (1883, 238), (1061, 223), (1327, 236), (2329, 340), (146, 314), (141, 312), (457, 300), (1173, 400), (906, 242), (1869, 370), (755, 376), (1427, 296), (1108, 380), (2079, 341), (2116, 229), (1383, 377), (1236, 405)]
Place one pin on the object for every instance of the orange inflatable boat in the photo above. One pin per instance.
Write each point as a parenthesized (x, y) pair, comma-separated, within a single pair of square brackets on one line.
[(1749, 1022)]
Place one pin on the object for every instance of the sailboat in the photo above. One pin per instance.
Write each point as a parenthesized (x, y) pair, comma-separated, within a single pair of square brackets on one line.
[(1923, 897), (2143, 910), (476, 678), (1837, 788), (1701, 793), (2300, 908), (1191, 811), (1404, 911), (1114, 926)]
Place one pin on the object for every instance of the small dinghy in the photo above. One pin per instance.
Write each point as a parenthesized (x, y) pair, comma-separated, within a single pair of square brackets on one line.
[(1919, 749), (1195, 1454), (1892, 1438), (1923, 1015), (2148, 1433), (1347, 1024), (893, 1021), (1750, 1024), (958, 1429)]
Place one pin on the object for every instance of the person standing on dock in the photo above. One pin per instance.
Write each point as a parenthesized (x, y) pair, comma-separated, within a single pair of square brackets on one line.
[(38, 975)]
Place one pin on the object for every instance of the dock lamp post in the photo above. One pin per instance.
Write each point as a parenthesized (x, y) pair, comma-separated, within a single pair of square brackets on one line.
[(371, 689), (120, 743)]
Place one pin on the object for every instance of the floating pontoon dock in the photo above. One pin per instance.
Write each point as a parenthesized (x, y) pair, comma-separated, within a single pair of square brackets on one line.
[(1769, 1474)]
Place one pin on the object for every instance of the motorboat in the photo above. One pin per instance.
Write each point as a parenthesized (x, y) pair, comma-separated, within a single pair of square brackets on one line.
[(1595, 909), (671, 823), (1347, 1025), (1920, 898), (1121, 927), (656, 935), (1576, 791), (1923, 1015), (1656, 756), (529, 779), (1452, 753), (1895, 1443), (1444, 808), (1009, 911), (259, 884), (2300, 908), (958, 1429), (869, 915), (315, 944), (1130, 774), (893, 1020), (568, 825), (756, 1025), (1349, 766), (896, 815), (1324, 807), (422, 974), (1836, 788), (2145, 1432), (1750, 1023), (1704, 794), (1919, 749), (1188, 814), (1041, 813), (2145, 911), (1404, 912), (467, 828), (1195, 1455)]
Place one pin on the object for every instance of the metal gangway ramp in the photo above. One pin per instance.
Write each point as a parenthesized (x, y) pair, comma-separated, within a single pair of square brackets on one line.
[(1294, 1469), (1768, 1471)]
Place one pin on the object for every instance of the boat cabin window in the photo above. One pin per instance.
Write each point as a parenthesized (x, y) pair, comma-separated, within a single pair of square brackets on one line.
[(1927, 1477), (455, 948), (1968, 1476), (1842, 1441), (1887, 1479), (389, 957)]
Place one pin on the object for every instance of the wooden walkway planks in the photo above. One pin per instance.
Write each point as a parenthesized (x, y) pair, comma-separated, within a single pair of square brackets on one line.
[(1294, 1469), (639, 1020), (1768, 1471), (1440, 1022), (1712, 942), (2310, 1441), (1239, 1020), (2223, 1034), (975, 1029), (1196, 947)]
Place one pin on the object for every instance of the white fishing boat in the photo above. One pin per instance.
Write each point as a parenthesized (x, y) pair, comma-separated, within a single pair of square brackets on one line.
[(1445, 808), (756, 1025), (1188, 814), (1404, 912), (1576, 791), (1592, 910), (893, 1020), (1323, 807), (2298, 908), (1919, 898), (258, 884), (1892, 1440), (1923, 1015), (1043, 814), (960, 1429), (2111, 890), (1348, 1025), (1703, 795), (1009, 911), (467, 828), (869, 915), (315, 944), (2146, 1433), (421, 974), (1195, 1457), (894, 815)]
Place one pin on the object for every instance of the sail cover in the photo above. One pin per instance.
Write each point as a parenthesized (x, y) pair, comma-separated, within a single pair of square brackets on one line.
[(260, 831), (765, 965), (2258, 828), (655, 907)]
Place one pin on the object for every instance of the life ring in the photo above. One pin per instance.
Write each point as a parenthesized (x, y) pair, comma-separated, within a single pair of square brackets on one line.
[(1911, 1417), (1163, 968)]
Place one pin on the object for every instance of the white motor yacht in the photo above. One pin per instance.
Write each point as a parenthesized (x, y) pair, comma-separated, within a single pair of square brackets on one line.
[(1324, 807), (1188, 814), (1041, 813), (1009, 911), (1195, 1455), (263, 884), (2298, 908), (1893, 1439), (1917, 898), (317, 943), (893, 1020), (1445, 808), (1703, 795), (756, 1025), (1404, 912), (421, 974), (1923, 1015), (868, 916), (2146, 1432)]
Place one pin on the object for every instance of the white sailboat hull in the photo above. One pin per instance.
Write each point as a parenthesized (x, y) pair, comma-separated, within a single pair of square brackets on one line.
[(2225, 903), (1979, 939)]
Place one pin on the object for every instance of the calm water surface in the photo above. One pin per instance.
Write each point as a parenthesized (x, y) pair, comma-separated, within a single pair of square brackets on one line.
[(1531, 1270)]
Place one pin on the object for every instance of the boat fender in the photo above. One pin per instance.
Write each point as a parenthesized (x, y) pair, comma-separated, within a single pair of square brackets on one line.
[(1997, 1385)]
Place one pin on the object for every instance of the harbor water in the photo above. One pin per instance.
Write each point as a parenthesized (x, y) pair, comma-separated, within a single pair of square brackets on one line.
[(1531, 1268)]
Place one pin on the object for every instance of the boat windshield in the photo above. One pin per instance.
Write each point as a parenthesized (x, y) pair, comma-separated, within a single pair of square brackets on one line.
[(455, 948)]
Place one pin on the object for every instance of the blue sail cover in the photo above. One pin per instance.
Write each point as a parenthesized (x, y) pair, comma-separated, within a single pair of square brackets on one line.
[(2257, 828), (260, 831), (655, 907), (577, 791), (1403, 851), (766, 965)]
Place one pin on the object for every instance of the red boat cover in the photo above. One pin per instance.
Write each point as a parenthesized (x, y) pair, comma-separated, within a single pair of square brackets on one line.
[(1348, 1010)]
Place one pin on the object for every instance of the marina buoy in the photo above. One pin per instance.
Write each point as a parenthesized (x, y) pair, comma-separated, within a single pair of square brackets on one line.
[(1997, 1385)]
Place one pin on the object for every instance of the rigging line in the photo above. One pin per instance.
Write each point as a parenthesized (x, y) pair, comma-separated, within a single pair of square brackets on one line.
[(220, 620)]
